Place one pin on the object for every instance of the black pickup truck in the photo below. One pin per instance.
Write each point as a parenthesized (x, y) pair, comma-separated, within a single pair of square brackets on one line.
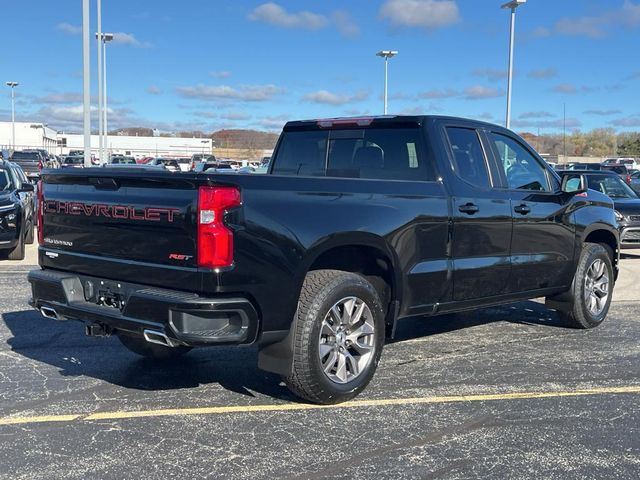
[(360, 222)]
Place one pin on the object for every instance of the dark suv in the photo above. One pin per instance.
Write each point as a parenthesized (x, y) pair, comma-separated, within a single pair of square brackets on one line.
[(17, 212)]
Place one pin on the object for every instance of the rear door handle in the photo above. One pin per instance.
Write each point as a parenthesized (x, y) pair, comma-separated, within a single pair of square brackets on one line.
[(469, 208), (522, 209)]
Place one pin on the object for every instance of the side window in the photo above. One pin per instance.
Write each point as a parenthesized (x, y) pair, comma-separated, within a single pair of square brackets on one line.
[(522, 170), (468, 157), (17, 181), (301, 153), (382, 153)]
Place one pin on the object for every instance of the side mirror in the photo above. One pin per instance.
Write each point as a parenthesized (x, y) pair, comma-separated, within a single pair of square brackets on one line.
[(574, 183), (27, 187)]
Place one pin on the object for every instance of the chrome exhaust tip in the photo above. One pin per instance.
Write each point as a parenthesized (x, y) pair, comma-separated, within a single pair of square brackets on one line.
[(49, 312), (158, 338)]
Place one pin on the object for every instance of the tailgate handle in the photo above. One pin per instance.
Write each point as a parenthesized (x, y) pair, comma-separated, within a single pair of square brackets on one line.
[(104, 183)]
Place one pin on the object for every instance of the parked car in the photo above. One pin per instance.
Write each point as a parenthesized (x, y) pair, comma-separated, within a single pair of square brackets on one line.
[(185, 164), (620, 170), (123, 160), (169, 163), (585, 166), (360, 222), (144, 160), (628, 161), (73, 161), (212, 165), (31, 162), (17, 211), (635, 181), (626, 204)]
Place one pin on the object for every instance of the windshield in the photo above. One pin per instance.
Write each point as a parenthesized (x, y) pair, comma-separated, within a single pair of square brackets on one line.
[(5, 181), (611, 186), (25, 156)]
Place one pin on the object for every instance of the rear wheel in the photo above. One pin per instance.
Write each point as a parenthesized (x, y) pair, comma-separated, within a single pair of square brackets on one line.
[(339, 335), (137, 344), (587, 303)]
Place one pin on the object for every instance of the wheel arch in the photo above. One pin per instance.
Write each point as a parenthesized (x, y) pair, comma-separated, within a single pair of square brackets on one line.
[(358, 252), (604, 235)]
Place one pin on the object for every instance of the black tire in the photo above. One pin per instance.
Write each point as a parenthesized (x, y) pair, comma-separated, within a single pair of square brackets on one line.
[(137, 344), (322, 290), (18, 252), (573, 306), (30, 237)]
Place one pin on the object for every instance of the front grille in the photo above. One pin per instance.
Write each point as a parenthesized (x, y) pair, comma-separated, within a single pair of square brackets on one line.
[(634, 218), (632, 236)]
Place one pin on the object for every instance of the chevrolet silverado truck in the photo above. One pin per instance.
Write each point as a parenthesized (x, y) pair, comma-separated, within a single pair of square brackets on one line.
[(359, 223)]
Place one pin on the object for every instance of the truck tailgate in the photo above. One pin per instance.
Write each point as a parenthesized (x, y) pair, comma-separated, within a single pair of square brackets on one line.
[(95, 219)]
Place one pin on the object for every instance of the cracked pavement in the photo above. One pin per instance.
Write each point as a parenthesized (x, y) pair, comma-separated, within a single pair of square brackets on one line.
[(51, 368)]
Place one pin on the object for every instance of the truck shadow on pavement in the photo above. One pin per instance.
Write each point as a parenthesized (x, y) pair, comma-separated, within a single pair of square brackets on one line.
[(523, 313), (64, 346)]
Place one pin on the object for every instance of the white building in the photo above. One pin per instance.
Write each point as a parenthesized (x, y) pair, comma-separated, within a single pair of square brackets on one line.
[(28, 135), (138, 146), (38, 135)]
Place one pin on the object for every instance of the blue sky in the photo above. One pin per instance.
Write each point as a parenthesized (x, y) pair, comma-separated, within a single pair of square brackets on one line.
[(207, 65)]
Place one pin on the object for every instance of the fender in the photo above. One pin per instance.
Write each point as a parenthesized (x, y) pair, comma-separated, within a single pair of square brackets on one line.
[(277, 357)]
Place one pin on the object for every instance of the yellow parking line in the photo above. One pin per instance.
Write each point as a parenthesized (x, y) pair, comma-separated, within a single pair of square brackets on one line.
[(38, 419), (289, 407)]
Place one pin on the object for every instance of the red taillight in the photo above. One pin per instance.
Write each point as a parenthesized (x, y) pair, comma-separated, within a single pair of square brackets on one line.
[(215, 240), (40, 217), (39, 164), (628, 179)]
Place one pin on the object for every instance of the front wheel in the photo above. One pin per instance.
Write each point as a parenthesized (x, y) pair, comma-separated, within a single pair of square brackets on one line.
[(587, 303), (338, 337)]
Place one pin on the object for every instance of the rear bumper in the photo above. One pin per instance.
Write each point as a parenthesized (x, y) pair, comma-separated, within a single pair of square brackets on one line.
[(186, 318)]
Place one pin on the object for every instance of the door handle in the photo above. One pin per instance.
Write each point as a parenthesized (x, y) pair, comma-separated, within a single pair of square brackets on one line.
[(469, 208), (522, 209)]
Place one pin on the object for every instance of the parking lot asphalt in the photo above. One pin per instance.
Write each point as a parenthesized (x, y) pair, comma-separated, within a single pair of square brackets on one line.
[(501, 392)]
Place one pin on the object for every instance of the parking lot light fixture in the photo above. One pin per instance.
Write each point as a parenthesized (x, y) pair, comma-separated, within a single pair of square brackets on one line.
[(386, 54), (512, 5), (12, 86)]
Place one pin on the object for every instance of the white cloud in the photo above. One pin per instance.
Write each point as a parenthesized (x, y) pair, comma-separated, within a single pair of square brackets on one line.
[(274, 14), (220, 74), (599, 26), (543, 73), (567, 88), (553, 124), (478, 92), (438, 93), (275, 122), (123, 38), (602, 113), (154, 90), (537, 114), (69, 28), (58, 98), (345, 24), (235, 116), (245, 93), (329, 98), (633, 121), (427, 14), (490, 73)]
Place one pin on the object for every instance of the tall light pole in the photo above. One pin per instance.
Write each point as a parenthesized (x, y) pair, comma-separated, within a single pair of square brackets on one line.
[(99, 40), (86, 84), (386, 54), (513, 5), (13, 86), (106, 37)]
